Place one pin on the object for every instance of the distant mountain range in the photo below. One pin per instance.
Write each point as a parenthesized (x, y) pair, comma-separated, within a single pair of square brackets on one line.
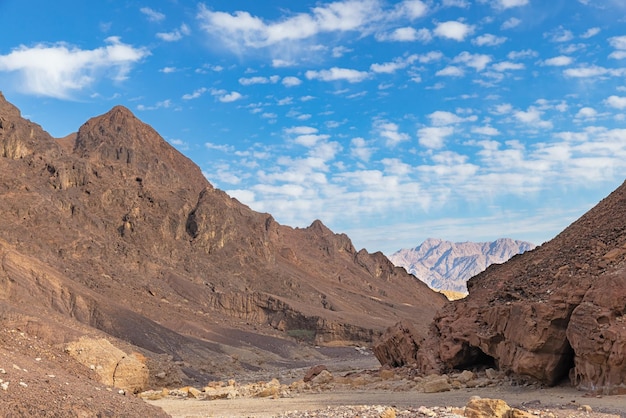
[(446, 265)]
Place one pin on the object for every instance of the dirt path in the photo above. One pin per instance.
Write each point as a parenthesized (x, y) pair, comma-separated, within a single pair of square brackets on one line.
[(554, 398)]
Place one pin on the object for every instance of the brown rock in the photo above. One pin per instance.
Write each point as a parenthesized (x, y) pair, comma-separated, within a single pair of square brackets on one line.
[(597, 333), (549, 310), (398, 346), (435, 384), (314, 371)]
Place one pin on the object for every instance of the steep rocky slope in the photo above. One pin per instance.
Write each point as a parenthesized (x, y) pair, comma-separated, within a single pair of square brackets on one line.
[(446, 265), (555, 312), (113, 233)]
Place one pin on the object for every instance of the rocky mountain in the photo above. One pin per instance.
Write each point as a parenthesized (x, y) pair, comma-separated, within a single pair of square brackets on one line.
[(549, 314), (445, 265), (111, 234)]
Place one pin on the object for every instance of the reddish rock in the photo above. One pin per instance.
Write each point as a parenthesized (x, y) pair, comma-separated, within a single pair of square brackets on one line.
[(314, 371), (398, 346), (557, 308)]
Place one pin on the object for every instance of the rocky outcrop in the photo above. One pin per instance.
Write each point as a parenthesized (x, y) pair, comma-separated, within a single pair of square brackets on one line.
[(114, 367), (398, 346), (550, 313), (446, 265), (597, 334)]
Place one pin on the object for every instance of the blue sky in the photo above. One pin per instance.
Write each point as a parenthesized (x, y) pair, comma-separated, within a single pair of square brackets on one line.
[(389, 121)]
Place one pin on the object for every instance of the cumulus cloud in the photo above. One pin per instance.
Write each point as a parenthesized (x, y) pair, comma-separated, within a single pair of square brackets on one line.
[(532, 117), (507, 66), (248, 81), (152, 15), (559, 61), (291, 81), (197, 93), (434, 137), (444, 118), (475, 61), (59, 70), (392, 67), (510, 23), (616, 102), (450, 71), (406, 34), (489, 40), (175, 35), (390, 132), (619, 43), (453, 29), (507, 4), (243, 29), (586, 113), (360, 149), (335, 73), (225, 96)]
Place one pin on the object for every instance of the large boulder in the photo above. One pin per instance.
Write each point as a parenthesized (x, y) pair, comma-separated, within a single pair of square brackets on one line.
[(113, 366), (398, 346)]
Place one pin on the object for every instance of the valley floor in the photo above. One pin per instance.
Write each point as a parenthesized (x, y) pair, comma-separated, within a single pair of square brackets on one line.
[(555, 402)]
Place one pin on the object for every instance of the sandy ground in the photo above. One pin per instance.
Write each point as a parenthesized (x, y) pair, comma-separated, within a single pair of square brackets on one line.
[(556, 398)]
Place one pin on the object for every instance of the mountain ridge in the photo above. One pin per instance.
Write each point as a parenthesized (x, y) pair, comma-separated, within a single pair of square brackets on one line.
[(447, 265), (118, 235)]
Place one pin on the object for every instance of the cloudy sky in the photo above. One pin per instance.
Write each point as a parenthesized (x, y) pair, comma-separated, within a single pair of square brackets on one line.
[(389, 121)]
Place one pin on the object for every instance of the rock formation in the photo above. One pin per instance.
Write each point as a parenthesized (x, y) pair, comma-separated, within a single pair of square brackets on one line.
[(112, 233), (446, 265), (550, 313)]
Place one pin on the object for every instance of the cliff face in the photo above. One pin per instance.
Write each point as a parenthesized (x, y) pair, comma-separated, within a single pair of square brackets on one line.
[(113, 232), (555, 312), (445, 265)]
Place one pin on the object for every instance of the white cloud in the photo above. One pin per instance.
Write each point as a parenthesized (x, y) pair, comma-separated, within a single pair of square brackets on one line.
[(58, 70), (241, 29), (197, 93), (406, 34), (412, 9), (586, 113), (532, 117), (589, 33), (593, 71), (619, 43), (450, 71), (455, 3), (434, 137), (507, 66), (175, 35), (476, 61), (559, 35), (616, 102), (226, 97), (392, 67), (152, 15), (248, 81), (360, 149), (489, 40), (559, 61), (168, 70), (390, 132), (291, 81), (453, 29), (510, 23), (444, 118), (334, 74), (527, 53), (485, 130), (507, 4)]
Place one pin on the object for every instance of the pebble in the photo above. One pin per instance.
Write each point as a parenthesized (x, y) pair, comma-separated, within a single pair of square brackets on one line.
[(371, 411)]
